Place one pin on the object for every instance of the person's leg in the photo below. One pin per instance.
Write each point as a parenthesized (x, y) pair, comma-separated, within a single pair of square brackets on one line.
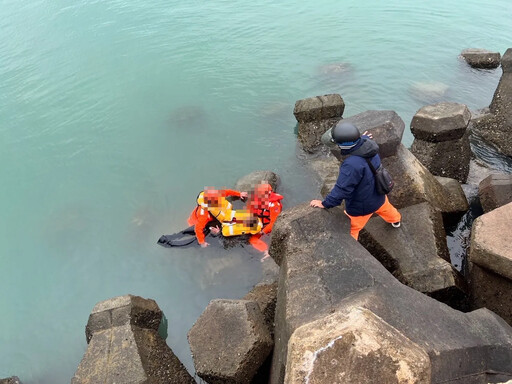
[(357, 223), (388, 212)]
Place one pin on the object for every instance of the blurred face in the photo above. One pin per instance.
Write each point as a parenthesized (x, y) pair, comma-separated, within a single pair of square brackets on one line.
[(211, 197)]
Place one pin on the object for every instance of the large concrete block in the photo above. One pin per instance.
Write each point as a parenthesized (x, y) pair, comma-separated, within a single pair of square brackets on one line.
[(481, 58), (414, 183), (490, 259), (440, 122), (495, 191), (122, 310), (446, 158), (230, 341), (125, 347), (417, 254), (319, 108), (490, 241), (387, 128), (358, 347), (491, 290)]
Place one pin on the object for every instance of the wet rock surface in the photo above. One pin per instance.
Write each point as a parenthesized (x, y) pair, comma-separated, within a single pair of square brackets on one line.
[(481, 58), (325, 275), (495, 190), (316, 115), (125, 347), (230, 341), (496, 127)]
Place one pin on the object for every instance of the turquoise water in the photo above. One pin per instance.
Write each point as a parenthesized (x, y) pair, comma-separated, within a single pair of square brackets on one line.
[(113, 115)]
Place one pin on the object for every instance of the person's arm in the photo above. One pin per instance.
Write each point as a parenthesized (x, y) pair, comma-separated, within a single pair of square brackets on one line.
[(202, 220), (274, 212)]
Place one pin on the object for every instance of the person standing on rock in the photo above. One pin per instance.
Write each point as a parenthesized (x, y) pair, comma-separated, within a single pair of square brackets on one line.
[(356, 181)]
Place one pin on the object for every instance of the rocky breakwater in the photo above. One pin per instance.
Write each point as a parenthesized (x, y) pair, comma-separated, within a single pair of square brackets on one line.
[(441, 141), (124, 346), (496, 127), (417, 254), (342, 317)]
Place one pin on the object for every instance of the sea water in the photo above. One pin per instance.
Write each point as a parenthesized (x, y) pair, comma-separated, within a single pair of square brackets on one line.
[(115, 114)]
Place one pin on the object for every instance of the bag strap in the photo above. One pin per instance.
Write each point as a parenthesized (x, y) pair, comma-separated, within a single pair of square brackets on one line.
[(371, 165)]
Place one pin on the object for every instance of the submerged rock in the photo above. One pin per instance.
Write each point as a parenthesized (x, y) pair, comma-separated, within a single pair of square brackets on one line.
[(428, 92), (481, 58), (11, 380), (125, 347)]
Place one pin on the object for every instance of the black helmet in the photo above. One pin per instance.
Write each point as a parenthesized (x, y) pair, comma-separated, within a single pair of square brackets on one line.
[(346, 135)]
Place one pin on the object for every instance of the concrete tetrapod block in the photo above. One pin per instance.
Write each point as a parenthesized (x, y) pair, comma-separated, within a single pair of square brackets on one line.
[(265, 295), (387, 128), (125, 347), (495, 190), (414, 183), (123, 310), (440, 122), (229, 342), (316, 115), (324, 272), (447, 158), (319, 108), (481, 58), (456, 196), (417, 254), (361, 346), (490, 259)]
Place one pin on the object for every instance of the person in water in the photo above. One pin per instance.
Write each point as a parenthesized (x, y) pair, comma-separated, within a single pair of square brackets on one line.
[(266, 205), (356, 182), (211, 211)]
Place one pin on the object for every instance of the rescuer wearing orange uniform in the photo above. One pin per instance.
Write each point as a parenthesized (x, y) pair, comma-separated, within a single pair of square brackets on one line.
[(265, 204)]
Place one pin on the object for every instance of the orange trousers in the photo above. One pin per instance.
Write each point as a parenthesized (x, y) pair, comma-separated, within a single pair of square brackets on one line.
[(389, 213)]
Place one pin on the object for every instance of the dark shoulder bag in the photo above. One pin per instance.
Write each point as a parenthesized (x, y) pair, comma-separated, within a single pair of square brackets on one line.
[(383, 181)]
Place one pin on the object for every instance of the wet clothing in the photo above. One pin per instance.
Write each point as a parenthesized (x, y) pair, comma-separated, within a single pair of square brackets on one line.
[(201, 216), (356, 185), (267, 210)]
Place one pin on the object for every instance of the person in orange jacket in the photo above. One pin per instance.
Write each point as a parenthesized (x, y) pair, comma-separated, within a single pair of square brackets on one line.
[(212, 209), (266, 205)]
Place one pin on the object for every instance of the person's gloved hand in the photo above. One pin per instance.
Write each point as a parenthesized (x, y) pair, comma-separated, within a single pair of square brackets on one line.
[(204, 245)]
